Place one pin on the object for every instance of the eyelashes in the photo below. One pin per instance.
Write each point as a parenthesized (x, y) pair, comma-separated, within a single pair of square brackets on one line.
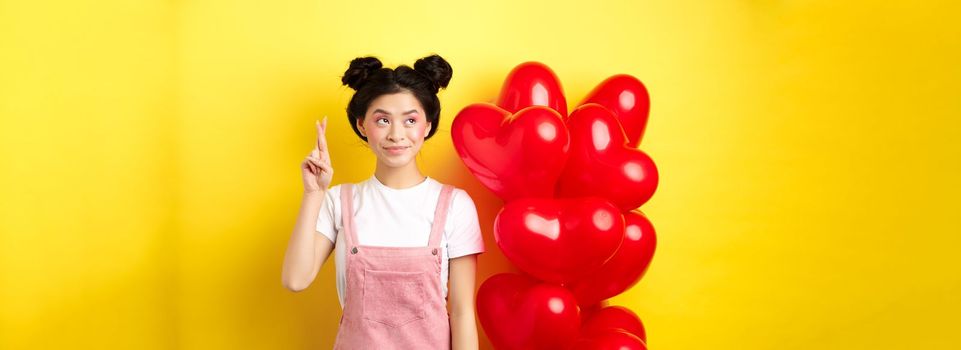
[(379, 119)]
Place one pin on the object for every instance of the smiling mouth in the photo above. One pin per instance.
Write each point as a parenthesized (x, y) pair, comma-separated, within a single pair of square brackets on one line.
[(396, 150)]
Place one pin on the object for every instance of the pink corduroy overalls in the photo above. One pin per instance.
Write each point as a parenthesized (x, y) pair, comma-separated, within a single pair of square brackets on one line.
[(394, 295)]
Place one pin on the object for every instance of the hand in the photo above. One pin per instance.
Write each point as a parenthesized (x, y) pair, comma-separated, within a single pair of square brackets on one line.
[(316, 168)]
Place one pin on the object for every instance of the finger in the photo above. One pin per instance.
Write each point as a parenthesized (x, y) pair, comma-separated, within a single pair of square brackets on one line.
[(312, 163), (325, 168), (320, 134), (322, 157), (317, 163), (323, 134), (320, 144), (307, 166)]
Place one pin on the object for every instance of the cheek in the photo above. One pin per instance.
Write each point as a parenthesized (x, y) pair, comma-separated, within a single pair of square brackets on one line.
[(419, 132), (374, 133)]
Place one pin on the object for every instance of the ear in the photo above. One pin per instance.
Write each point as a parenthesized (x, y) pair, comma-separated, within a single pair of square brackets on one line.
[(429, 126), (360, 127)]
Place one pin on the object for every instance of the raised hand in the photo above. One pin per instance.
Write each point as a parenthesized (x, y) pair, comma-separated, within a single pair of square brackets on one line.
[(316, 168)]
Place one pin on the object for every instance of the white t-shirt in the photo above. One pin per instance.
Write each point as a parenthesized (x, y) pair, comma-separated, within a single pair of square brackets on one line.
[(389, 217)]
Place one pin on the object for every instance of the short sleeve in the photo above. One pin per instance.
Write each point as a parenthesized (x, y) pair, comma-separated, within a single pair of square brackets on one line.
[(327, 222), (465, 236)]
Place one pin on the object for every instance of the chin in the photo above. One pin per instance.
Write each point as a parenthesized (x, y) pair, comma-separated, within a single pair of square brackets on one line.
[(397, 162)]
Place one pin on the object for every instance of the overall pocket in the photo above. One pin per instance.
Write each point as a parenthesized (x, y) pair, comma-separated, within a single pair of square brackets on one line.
[(393, 298)]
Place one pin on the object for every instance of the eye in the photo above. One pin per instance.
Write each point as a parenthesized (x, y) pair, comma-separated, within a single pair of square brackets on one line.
[(411, 121), (381, 119)]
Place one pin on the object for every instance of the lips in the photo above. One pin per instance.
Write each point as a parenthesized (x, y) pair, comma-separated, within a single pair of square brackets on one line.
[(396, 150)]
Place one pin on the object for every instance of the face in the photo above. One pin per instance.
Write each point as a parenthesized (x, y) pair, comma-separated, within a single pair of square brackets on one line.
[(395, 127)]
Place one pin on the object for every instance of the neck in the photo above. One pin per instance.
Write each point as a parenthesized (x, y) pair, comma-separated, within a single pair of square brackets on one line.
[(400, 177)]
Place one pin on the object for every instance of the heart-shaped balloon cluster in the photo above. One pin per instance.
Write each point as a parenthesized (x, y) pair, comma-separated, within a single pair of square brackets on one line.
[(572, 185)]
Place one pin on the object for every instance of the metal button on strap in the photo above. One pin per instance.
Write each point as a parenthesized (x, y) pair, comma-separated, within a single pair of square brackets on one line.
[(353, 251), (434, 251)]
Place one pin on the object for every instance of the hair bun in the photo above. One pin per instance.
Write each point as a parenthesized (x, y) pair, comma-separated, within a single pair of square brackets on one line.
[(436, 69), (360, 69)]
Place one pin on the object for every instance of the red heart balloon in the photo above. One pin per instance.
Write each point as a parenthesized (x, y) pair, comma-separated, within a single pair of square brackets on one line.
[(611, 340), (601, 163), (628, 99), (625, 268), (613, 328), (613, 318), (532, 84), (519, 155), (518, 312), (589, 310), (558, 240)]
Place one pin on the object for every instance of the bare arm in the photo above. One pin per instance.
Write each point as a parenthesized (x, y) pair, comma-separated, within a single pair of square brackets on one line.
[(306, 252), (463, 324)]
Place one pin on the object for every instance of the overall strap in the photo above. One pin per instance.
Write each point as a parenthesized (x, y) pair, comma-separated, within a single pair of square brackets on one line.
[(347, 215), (440, 216)]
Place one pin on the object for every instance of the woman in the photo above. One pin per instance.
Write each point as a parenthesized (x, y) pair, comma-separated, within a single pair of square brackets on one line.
[(399, 236)]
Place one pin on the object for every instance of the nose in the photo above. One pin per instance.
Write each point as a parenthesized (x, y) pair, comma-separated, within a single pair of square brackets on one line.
[(396, 133)]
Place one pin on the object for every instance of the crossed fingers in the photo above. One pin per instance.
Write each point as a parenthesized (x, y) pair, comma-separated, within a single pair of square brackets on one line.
[(319, 157)]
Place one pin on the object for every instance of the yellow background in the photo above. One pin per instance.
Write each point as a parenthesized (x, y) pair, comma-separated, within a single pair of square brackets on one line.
[(809, 154)]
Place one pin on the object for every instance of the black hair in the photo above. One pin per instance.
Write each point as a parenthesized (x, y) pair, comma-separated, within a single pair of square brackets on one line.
[(370, 79)]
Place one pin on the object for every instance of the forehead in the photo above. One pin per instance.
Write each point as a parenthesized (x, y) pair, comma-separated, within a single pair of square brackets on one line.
[(395, 104)]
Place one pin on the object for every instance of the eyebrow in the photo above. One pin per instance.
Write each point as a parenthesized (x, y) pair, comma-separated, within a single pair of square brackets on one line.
[(388, 113)]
